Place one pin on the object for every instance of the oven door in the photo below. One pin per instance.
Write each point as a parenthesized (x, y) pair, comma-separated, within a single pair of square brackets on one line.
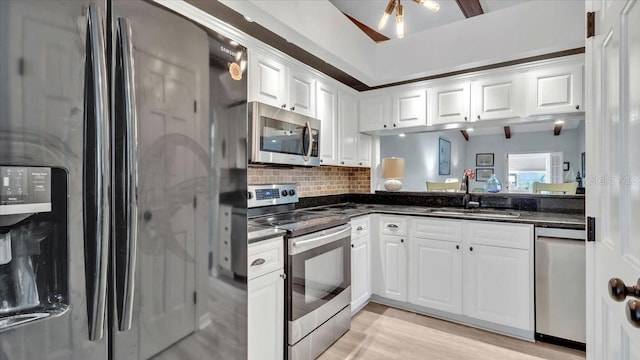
[(319, 279), (283, 137)]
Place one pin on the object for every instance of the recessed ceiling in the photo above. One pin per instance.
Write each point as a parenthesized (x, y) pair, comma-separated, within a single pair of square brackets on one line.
[(537, 126), (417, 18)]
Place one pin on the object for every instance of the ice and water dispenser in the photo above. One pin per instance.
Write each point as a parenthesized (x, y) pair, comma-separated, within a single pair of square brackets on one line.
[(33, 244)]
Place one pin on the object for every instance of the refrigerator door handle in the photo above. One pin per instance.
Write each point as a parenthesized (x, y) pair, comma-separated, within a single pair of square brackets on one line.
[(125, 272), (96, 173)]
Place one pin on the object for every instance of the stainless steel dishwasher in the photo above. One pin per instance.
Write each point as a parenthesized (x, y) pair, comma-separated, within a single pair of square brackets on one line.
[(560, 286)]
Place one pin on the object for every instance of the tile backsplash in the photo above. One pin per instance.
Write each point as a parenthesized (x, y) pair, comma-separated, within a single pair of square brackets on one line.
[(316, 181)]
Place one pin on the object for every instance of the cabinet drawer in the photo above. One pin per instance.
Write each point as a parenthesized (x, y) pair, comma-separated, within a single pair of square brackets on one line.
[(265, 256), (360, 227), (503, 235), (437, 229), (393, 225)]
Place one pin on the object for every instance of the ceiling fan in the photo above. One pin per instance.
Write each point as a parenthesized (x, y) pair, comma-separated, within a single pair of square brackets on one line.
[(396, 5)]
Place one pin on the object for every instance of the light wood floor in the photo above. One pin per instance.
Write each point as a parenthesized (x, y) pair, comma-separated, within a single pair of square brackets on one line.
[(381, 332)]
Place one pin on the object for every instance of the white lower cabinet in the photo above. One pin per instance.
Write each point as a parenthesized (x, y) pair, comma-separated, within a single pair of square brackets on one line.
[(393, 256), (265, 310), (435, 274), (360, 263)]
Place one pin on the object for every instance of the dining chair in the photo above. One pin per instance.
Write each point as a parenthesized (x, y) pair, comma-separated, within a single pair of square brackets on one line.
[(566, 188), (440, 186)]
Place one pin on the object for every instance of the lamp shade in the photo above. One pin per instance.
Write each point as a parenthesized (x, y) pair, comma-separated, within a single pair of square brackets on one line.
[(393, 168)]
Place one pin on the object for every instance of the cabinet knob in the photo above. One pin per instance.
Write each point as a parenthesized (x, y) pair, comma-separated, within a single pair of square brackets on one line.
[(577, 107), (394, 125), (293, 108), (457, 247), (147, 215), (478, 117), (385, 126), (283, 276), (352, 246), (284, 106), (342, 162), (359, 163), (465, 118), (471, 248), (401, 240)]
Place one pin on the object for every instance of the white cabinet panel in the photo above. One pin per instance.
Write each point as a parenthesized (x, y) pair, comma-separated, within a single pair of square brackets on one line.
[(327, 112), (302, 93), (348, 129), (497, 98), (497, 285), (267, 80), (435, 274), (360, 272), (393, 255), (265, 314), (555, 90), (364, 150), (450, 103), (375, 113), (410, 108)]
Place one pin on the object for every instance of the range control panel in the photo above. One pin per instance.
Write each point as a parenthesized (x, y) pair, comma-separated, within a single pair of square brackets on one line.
[(24, 190), (276, 194)]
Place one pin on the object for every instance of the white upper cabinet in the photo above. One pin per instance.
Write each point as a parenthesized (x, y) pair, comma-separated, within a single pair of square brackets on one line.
[(348, 129), (302, 92), (375, 113), (450, 103), (497, 97), (555, 90), (274, 83), (409, 108), (364, 150), (267, 80), (327, 113)]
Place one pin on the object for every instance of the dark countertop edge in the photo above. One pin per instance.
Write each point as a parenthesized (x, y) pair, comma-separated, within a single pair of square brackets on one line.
[(456, 194), (276, 233)]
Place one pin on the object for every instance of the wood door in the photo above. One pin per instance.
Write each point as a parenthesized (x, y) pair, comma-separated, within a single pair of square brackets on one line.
[(167, 90), (435, 274), (613, 183), (497, 283), (393, 253), (327, 113), (265, 316), (348, 129)]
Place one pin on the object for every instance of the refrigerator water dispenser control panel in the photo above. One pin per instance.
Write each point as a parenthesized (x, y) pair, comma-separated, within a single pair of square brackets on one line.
[(24, 190)]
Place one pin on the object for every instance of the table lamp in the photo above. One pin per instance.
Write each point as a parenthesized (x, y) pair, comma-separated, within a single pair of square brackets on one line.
[(392, 172)]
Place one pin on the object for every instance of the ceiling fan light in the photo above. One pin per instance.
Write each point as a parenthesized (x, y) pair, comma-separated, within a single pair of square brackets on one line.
[(387, 13), (400, 22)]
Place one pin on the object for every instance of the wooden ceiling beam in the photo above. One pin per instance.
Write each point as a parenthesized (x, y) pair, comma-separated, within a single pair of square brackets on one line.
[(470, 8), (507, 132), (465, 134), (374, 35), (557, 129)]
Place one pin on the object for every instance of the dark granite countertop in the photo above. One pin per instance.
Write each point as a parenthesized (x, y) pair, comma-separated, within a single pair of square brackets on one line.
[(257, 233), (541, 219)]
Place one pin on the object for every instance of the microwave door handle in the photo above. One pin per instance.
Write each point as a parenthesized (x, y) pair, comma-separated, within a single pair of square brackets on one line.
[(96, 174), (307, 153), (320, 238), (125, 273)]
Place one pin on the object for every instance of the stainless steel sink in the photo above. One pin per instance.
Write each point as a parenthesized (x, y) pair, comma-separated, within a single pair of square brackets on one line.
[(483, 213)]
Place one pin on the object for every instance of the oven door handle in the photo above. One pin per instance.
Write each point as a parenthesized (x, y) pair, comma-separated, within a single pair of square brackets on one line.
[(320, 238)]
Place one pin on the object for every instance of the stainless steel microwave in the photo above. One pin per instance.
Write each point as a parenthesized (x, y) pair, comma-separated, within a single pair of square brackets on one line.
[(280, 136)]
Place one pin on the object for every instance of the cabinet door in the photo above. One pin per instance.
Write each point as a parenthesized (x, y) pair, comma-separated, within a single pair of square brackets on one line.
[(450, 103), (327, 112), (266, 316), (302, 93), (267, 80), (348, 129), (497, 285), (435, 274), (360, 272), (555, 90), (364, 150), (375, 113), (410, 108), (393, 256), (497, 98)]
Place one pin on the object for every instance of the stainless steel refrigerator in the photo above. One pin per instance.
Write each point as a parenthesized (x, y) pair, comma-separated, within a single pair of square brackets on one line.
[(117, 121)]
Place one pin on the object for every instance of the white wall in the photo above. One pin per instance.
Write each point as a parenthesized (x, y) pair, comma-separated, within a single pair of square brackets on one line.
[(420, 151)]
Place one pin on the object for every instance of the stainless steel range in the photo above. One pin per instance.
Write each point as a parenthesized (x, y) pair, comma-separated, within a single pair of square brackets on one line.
[(318, 268)]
